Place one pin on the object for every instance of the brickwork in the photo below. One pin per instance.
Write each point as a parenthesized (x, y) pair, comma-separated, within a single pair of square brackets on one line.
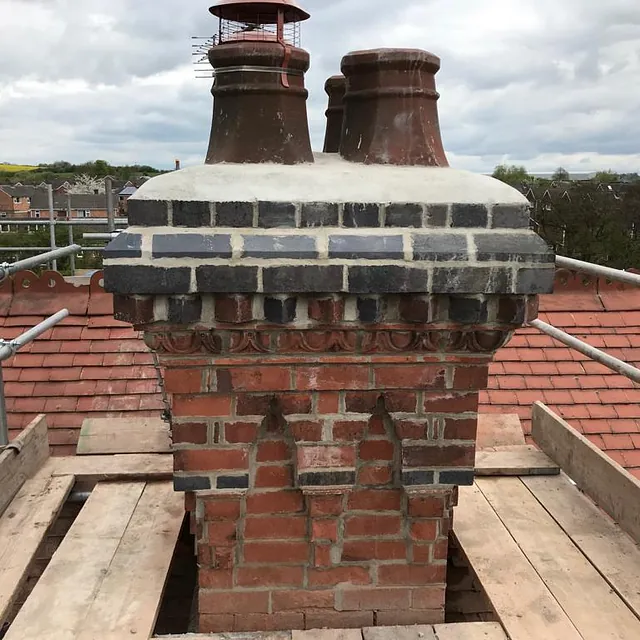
[(320, 455)]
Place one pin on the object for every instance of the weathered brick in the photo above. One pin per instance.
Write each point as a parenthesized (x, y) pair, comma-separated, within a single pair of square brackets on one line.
[(398, 574), (325, 505), (282, 621), (211, 459), (233, 309), (216, 623), (275, 528), (281, 576), (325, 457), (276, 552), (373, 475), (424, 530), (376, 450), (338, 619), (332, 377), (275, 502), (363, 599), (417, 376), (326, 529), (464, 429), (240, 432), (363, 550), (375, 500), (273, 451), (302, 600), (214, 405), (214, 578), (337, 575), (425, 506), (183, 380), (233, 602), (430, 455), (189, 433), (221, 508), (274, 476), (371, 526), (409, 617)]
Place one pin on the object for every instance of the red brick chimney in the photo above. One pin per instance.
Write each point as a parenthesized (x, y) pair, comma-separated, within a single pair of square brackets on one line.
[(325, 329)]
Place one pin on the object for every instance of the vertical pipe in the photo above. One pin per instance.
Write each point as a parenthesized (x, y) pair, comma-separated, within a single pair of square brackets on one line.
[(108, 186), (72, 257), (52, 226), (4, 425)]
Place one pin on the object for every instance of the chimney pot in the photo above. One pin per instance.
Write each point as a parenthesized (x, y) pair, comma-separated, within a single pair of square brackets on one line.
[(335, 87), (391, 114), (259, 112)]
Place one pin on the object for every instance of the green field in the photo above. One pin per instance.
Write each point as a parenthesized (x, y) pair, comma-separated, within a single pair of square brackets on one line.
[(14, 168)]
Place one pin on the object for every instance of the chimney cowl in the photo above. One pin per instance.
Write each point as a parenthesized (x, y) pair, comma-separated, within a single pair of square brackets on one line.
[(262, 11), (391, 114)]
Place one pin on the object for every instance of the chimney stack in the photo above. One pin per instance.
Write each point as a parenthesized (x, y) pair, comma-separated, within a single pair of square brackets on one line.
[(324, 331), (259, 112), (177, 165), (335, 87), (391, 113)]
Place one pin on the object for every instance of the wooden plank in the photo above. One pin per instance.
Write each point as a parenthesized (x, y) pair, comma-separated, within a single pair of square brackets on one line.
[(522, 602), (129, 598), (594, 609), (470, 631), (610, 486), (499, 430), (23, 527), (62, 597), (614, 554), (16, 467), (413, 632), (127, 435), (151, 466), (515, 461)]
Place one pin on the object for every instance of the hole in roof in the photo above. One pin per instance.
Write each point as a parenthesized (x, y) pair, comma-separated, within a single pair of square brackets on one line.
[(51, 283), (101, 282), (26, 283)]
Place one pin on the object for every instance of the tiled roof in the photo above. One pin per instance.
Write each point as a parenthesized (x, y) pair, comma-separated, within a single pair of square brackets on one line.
[(602, 404), (89, 365)]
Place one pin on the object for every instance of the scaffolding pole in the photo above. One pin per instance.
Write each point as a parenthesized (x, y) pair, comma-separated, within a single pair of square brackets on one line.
[(52, 227), (603, 358), (7, 269), (596, 270)]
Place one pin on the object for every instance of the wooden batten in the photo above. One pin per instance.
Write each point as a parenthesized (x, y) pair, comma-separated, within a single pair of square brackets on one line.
[(20, 463), (608, 484)]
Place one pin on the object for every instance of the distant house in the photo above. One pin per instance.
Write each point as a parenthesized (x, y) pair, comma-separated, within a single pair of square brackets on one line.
[(15, 201), (68, 205), (123, 197)]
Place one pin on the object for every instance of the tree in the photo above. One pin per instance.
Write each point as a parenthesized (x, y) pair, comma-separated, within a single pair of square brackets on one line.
[(606, 177), (512, 174), (561, 174), (87, 185)]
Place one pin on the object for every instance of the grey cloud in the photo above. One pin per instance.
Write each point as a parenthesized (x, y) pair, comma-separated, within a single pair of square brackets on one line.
[(532, 84)]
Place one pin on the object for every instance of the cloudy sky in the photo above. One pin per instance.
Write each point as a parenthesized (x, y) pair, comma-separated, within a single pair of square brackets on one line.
[(535, 82)]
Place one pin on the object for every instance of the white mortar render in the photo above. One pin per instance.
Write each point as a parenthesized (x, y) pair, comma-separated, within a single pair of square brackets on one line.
[(330, 178)]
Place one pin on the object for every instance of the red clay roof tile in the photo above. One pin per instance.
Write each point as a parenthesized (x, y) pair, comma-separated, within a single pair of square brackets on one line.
[(600, 403), (88, 353)]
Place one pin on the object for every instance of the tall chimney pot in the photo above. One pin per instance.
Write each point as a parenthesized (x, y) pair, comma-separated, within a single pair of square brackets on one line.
[(391, 114), (259, 112), (335, 87)]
